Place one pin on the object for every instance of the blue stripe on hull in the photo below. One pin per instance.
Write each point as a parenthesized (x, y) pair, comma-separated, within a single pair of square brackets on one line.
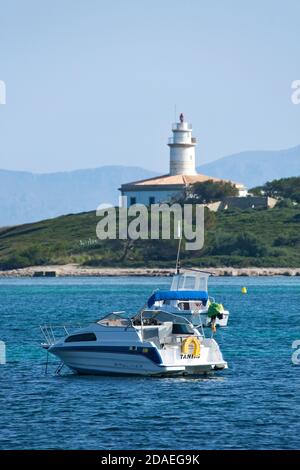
[(151, 353)]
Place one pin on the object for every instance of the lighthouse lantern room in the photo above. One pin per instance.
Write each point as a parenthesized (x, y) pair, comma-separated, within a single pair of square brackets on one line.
[(182, 149)]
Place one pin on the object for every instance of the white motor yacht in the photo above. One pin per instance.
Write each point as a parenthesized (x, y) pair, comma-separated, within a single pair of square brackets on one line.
[(151, 343), (188, 296)]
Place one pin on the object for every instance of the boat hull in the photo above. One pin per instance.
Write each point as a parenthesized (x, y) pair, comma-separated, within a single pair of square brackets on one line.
[(101, 363), (219, 321), (205, 319)]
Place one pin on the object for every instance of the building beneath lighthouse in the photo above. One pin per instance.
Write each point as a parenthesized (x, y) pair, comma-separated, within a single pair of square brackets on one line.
[(182, 172)]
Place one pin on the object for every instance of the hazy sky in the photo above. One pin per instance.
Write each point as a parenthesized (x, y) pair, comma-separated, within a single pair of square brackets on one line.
[(94, 82)]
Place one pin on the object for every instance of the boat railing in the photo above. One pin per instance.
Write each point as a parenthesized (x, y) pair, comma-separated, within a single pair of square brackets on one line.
[(52, 333), (179, 338)]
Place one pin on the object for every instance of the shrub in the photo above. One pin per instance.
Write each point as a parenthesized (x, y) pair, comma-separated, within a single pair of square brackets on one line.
[(241, 245), (210, 191), (14, 262), (284, 188)]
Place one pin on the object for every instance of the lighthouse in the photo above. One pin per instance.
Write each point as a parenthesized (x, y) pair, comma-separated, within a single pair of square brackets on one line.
[(182, 174), (182, 149)]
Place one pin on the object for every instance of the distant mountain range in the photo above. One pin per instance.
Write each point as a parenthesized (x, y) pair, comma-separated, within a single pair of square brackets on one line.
[(256, 167), (28, 197)]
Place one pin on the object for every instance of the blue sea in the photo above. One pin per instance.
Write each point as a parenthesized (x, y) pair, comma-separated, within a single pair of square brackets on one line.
[(255, 404)]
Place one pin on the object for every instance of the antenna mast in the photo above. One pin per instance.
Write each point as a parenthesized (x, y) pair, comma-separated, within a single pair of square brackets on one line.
[(179, 233)]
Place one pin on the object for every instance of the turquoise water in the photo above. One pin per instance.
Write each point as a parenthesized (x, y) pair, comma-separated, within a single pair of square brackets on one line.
[(255, 404)]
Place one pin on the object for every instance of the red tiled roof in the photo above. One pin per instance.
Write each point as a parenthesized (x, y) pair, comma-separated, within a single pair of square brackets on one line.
[(177, 180)]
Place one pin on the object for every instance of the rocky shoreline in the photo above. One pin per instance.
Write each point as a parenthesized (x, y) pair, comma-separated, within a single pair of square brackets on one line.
[(74, 270)]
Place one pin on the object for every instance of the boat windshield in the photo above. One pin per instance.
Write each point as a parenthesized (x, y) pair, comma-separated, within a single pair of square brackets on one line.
[(115, 319), (190, 280), (156, 317)]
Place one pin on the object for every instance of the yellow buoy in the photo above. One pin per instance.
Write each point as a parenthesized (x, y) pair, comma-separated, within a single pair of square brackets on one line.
[(244, 290)]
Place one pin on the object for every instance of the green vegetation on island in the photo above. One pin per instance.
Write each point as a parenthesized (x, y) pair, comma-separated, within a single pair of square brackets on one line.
[(210, 191), (252, 237), (232, 238), (287, 189)]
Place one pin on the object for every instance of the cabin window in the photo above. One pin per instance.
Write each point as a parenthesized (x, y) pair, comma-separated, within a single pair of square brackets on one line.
[(81, 337), (184, 305), (179, 329), (187, 282), (190, 282), (132, 201), (151, 200)]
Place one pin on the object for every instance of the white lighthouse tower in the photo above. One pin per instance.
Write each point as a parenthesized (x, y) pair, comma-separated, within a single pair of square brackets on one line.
[(182, 174), (182, 149)]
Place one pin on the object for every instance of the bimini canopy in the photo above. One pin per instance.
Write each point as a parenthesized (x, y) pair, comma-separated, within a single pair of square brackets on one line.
[(177, 295)]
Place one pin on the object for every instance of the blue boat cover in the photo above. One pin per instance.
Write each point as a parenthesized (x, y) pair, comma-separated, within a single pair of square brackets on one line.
[(177, 295)]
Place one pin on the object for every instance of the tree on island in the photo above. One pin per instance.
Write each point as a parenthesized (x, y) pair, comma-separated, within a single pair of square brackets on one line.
[(284, 188), (210, 191)]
